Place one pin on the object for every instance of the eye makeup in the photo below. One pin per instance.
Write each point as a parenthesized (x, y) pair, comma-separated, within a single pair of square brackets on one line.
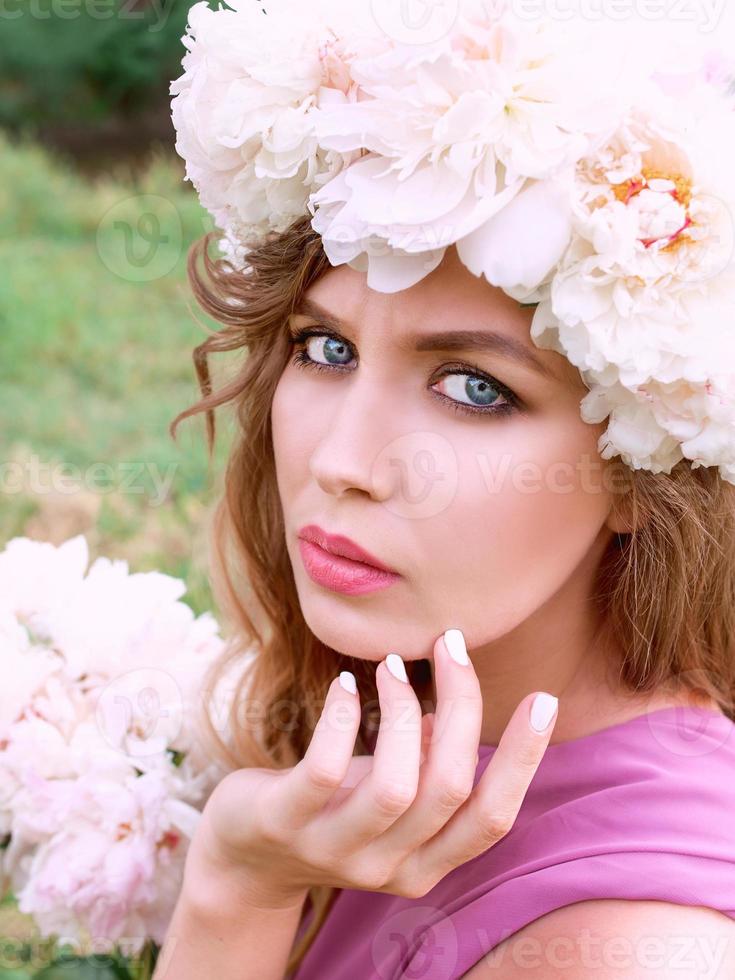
[(511, 402)]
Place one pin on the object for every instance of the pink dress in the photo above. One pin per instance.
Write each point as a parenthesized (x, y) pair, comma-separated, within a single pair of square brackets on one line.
[(644, 809)]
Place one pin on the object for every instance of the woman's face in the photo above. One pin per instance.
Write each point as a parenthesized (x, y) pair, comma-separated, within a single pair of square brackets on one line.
[(466, 469)]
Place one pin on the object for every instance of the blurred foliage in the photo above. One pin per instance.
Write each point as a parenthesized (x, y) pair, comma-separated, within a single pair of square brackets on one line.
[(82, 60), (46, 959), (77, 968), (98, 326)]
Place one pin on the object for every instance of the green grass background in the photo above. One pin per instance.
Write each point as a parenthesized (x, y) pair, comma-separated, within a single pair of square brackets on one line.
[(96, 363)]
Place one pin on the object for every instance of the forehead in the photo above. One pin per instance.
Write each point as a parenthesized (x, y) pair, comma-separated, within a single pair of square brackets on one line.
[(449, 289), (448, 299)]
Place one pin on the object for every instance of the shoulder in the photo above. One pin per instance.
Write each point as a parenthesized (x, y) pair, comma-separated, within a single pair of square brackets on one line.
[(615, 938)]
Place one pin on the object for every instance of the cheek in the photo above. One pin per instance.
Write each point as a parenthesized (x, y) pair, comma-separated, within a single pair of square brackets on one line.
[(280, 431), (279, 415), (290, 448), (529, 506)]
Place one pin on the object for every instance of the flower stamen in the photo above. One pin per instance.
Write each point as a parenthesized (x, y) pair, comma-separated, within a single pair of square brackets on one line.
[(677, 187)]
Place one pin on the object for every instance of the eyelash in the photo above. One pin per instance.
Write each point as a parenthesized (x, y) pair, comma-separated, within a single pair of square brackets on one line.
[(302, 360)]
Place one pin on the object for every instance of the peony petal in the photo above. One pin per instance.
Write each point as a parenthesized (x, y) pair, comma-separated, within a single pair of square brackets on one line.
[(399, 270), (520, 245)]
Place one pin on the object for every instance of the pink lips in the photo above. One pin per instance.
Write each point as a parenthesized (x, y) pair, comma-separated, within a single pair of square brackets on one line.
[(339, 564)]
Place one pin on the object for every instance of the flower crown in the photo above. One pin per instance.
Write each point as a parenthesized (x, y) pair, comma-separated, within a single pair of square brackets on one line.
[(568, 166)]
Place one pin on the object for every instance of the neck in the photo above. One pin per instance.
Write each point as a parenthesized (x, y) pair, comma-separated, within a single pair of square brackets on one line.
[(563, 648)]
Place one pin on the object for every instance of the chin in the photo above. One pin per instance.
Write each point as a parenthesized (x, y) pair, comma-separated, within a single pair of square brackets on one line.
[(357, 629)]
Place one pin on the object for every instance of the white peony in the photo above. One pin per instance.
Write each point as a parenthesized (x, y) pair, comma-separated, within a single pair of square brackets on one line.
[(108, 854), (642, 300), (656, 425), (244, 109), (102, 770), (452, 133)]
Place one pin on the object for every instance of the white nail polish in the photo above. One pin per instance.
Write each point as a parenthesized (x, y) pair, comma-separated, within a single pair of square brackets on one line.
[(396, 666), (542, 711), (454, 640), (348, 682)]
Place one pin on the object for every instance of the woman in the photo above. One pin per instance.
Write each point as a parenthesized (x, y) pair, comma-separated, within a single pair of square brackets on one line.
[(412, 481)]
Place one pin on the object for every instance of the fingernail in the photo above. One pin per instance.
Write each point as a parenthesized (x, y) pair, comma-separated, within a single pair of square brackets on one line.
[(543, 710), (348, 682), (396, 666), (454, 642)]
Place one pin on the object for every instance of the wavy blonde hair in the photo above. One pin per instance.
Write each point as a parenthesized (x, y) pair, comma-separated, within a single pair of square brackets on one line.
[(666, 589)]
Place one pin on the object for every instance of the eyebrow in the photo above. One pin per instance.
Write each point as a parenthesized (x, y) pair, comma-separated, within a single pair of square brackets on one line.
[(484, 340)]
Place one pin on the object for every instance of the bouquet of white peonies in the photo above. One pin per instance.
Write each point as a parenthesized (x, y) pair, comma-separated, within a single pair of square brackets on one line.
[(102, 773)]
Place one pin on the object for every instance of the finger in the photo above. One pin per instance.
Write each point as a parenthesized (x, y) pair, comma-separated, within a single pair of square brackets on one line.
[(447, 777), (427, 727), (361, 765), (491, 810), (390, 786), (298, 797)]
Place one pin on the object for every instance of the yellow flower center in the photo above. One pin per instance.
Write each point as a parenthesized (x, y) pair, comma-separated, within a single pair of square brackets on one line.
[(681, 192)]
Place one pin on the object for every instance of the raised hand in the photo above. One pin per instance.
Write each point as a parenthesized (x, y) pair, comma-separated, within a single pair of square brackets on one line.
[(388, 822)]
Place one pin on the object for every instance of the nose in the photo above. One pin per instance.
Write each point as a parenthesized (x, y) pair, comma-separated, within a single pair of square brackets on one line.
[(351, 455)]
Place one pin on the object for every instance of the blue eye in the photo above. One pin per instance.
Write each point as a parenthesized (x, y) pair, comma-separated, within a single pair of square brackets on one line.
[(481, 390), (333, 350), (477, 389)]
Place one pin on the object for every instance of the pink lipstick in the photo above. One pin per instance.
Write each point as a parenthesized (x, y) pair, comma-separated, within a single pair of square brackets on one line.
[(341, 565)]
